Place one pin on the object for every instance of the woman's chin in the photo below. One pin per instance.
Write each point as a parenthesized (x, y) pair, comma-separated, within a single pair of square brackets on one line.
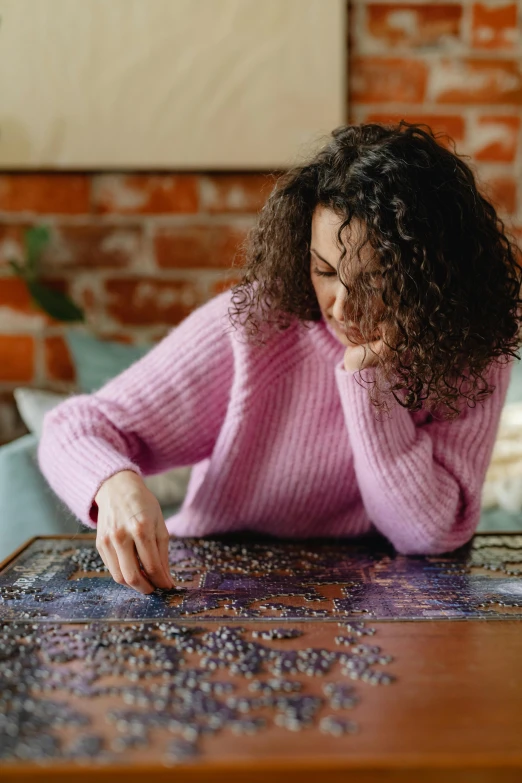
[(341, 336)]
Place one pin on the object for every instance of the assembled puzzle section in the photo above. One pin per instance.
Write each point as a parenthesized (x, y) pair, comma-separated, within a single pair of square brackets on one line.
[(221, 578)]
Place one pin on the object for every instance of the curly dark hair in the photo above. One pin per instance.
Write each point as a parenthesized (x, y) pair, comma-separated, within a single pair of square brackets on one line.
[(450, 275)]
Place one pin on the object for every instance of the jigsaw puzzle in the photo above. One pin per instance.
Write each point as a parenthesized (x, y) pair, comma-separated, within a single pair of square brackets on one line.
[(323, 580), (257, 636)]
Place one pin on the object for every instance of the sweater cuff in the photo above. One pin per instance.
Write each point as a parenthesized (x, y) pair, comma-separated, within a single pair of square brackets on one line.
[(95, 464), (395, 429)]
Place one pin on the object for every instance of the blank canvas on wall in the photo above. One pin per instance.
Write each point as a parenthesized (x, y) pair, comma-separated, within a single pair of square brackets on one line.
[(152, 84)]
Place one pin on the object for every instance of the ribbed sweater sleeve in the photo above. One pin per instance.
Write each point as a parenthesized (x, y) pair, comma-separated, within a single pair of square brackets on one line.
[(421, 485), (164, 411)]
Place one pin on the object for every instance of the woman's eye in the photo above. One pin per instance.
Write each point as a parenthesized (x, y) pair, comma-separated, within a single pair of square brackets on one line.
[(322, 273)]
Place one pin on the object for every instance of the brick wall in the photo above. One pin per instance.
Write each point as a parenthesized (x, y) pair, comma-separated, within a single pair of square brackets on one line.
[(138, 251), (453, 65)]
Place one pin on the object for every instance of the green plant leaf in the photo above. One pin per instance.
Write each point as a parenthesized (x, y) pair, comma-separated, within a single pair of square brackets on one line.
[(35, 240), (58, 305)]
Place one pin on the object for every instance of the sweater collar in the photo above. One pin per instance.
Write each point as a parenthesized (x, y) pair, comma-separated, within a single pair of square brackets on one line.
[(324, 337)]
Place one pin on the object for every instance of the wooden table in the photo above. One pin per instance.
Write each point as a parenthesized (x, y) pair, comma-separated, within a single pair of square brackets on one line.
[(454, 714)]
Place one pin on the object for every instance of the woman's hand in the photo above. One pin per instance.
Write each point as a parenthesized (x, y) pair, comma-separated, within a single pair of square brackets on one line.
[(358, 357), (131, 526)]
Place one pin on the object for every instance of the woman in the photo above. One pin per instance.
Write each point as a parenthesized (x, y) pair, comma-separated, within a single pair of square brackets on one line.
[(352, 381)]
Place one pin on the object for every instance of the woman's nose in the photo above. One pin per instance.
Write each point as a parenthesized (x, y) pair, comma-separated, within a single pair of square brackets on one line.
[(339, 305)]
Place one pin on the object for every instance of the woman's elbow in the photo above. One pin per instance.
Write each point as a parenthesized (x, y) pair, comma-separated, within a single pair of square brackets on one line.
[(439, 541)]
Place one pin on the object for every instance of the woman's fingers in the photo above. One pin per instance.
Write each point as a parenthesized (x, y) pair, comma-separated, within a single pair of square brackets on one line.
[(163, 547), (100, 552), (108, 555), (152, 559), (130, 567)]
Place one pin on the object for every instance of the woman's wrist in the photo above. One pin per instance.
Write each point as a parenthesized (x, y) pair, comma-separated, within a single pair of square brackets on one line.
[(120, 476)]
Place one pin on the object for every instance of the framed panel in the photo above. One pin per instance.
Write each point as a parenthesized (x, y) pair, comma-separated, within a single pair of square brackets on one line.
[(174, 84)]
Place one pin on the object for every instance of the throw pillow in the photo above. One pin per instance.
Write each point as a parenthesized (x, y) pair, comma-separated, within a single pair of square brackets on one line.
[(97, 361)]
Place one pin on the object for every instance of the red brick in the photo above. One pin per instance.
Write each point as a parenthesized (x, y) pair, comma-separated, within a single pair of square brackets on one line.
[(93, 246), (201, 247), (16, 358), (224, 285), (15, 295), (88, 246), (46, 194), (144, 194), (387, 80), (471, 80), (502, 192), (414, 25), (58, 362), (149, 301), (495, 138), (235, 192), (494, 25), (452, 125)]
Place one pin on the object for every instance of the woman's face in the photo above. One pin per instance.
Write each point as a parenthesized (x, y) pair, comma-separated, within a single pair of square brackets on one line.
[(324, 261)]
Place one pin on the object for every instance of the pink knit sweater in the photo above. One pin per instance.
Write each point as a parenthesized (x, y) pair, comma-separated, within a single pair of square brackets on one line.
[(283, 440)]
